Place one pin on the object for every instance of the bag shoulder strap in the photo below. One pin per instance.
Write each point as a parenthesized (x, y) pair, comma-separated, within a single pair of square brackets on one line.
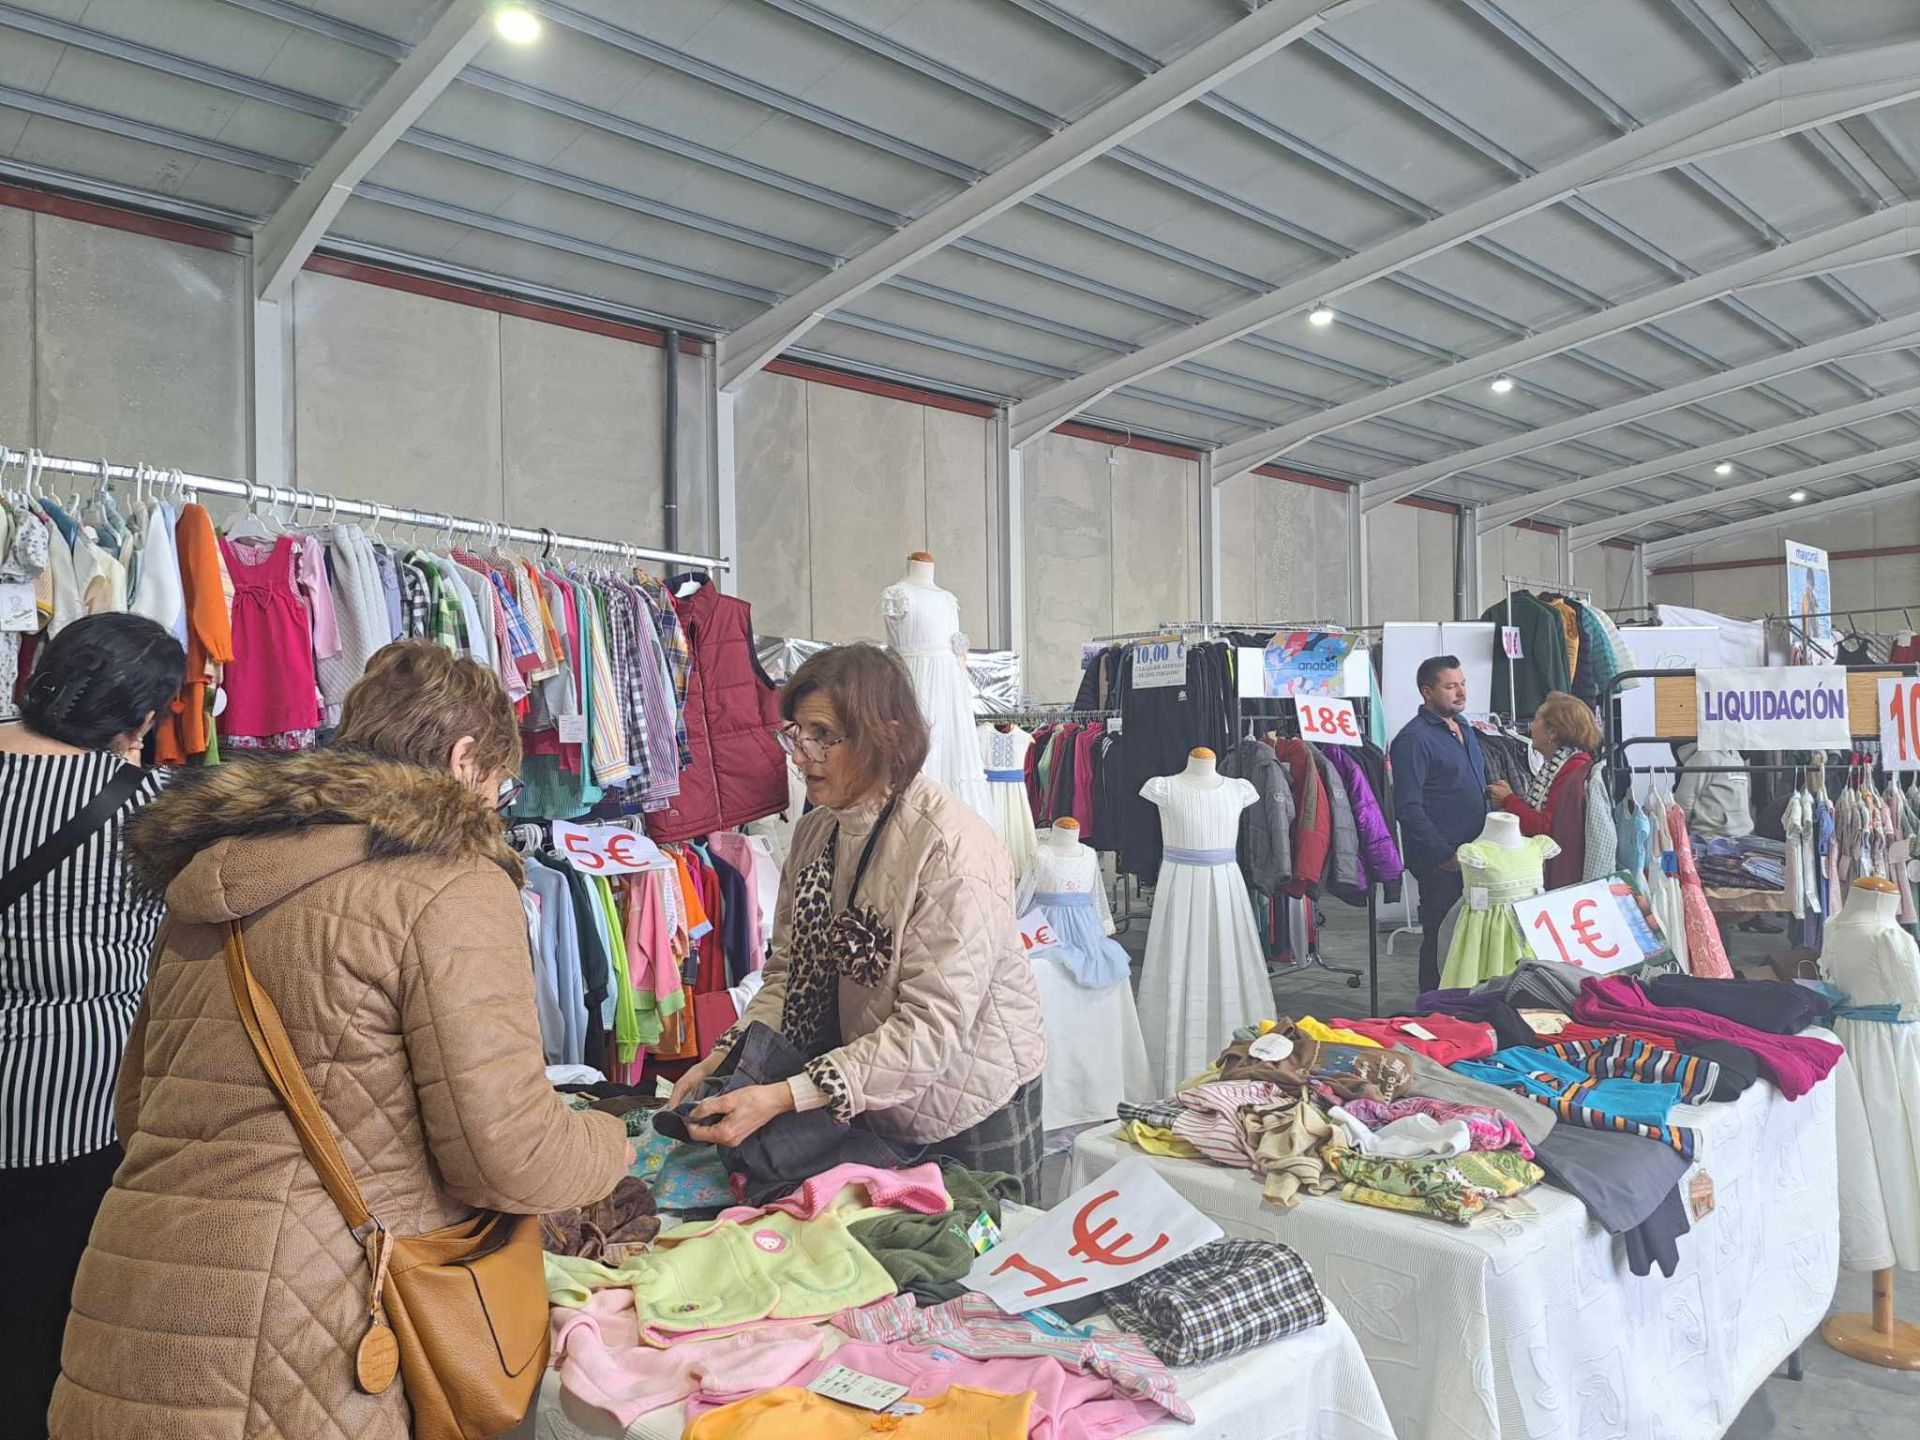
[(277, 1058), (80, 827)]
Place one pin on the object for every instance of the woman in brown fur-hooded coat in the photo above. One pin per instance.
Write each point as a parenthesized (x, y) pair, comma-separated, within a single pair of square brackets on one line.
[(222, 1295)]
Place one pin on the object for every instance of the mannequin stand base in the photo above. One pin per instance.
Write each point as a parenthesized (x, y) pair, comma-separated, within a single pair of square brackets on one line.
[(1897, 1348)]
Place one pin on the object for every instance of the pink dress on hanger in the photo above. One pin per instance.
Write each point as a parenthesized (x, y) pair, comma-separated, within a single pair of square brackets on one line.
[(273, 698), (1706, 956)]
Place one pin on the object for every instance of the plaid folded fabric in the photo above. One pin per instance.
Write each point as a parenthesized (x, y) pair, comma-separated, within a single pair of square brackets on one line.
[(1158, 1113), (1221, 1299)]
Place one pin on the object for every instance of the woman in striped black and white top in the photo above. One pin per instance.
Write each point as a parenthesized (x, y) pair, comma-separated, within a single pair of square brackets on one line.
[(74, 950)]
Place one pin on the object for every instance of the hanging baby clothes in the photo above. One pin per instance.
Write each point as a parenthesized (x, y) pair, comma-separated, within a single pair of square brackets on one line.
[(1003, 751), (1663, 880), (923, 629), (1487, 941), (1706, 956), (273, 700), (1204, 975)]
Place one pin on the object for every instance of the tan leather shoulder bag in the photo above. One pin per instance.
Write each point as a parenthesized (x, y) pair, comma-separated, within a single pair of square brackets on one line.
[(460, 1312)]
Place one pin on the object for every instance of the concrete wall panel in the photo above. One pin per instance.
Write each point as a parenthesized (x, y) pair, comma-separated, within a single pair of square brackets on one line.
[(1155, 528), (397, 397), (867, 505), (1439, 552), (1069, 560), (1238, 536), (770, 465), (581, 431), (16, 330), (139, 348), (959, 478)]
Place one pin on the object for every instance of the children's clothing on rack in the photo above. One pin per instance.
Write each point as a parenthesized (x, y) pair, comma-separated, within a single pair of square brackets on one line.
[(1003, 752)]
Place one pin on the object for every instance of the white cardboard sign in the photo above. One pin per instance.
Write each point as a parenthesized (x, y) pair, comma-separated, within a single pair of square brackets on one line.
[(1791, 707), (1579, 925), (1328, 720), (1123, 1225), (1899, 709), (1035, 933), (1158, 664), (605, 849)]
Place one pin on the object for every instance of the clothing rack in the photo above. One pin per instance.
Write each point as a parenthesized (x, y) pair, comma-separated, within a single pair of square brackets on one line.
[(108, 473), (1529, 582), (1210, 628)]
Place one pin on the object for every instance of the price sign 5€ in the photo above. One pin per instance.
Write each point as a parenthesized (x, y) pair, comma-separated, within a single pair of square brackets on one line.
[(605, 849), (1328, 720)]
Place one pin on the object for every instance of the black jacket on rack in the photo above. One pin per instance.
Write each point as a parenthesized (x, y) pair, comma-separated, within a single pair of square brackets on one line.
[(1159, 725)]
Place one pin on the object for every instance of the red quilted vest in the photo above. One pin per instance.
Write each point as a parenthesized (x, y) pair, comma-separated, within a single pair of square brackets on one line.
[(739, 772)]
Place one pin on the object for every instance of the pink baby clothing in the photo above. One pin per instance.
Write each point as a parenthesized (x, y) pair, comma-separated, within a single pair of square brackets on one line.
[(1795, 1063), (270, 684), (1706, 956), (1067, 1404), (1487, 1127), (919, 1189), (598, 1353)]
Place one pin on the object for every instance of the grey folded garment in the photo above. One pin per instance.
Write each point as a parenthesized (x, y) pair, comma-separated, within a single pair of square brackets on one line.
[(1537, 985), (1436, 1082)]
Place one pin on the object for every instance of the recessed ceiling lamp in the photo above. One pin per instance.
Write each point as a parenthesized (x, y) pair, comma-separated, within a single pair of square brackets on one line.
[(516, 23), (1320, 315), (1723, 468), (1501, 384), (1798, 497)]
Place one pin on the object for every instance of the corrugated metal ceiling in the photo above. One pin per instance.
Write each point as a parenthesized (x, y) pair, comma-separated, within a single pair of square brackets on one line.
[(701, 160)]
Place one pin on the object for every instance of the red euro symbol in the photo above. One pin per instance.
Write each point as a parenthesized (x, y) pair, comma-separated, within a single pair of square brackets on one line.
[(1585, 933), (619, 844), (1090, 1244), (1049, 1282)]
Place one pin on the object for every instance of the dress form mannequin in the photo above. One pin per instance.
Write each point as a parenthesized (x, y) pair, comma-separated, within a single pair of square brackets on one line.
[(1869, 955), (1501, 829), (1064, 835), (1202, 769), (923, 629)]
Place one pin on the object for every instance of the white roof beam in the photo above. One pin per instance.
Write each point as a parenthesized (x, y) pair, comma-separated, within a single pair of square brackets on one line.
[(1205, 67), (1581, 537), (1525, 507), (290, 234), (1882, 235), (1779, 102), (1887, 335), (1695, 539)]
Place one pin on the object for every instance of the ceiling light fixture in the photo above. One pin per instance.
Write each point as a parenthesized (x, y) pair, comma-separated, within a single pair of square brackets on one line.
[(1723, 468), (1320, 315), (517, 24), (1501, 385), (1798, 496)]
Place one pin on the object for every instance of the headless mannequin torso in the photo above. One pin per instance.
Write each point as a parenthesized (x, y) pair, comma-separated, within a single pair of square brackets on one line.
[(1201, 769), (1501, 829), (919, 571), (1063, 837), (1872, 904)]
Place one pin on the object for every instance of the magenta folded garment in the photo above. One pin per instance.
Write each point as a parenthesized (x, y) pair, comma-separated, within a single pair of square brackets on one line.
[(1795, 1063)]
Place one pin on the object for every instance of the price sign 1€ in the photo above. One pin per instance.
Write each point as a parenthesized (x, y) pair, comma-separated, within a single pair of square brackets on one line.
[(1900, 724), (605, 849), (1035, 933), (1580, 925), (1328, 720)]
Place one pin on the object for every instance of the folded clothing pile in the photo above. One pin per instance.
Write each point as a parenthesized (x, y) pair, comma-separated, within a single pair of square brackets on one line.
[(1219, 1300)]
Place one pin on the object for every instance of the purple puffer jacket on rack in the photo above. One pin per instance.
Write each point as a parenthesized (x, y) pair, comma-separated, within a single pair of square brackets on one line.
[(1379, 856)]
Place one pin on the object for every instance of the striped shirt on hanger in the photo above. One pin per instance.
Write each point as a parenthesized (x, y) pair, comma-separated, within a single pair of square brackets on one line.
[(74, 954)]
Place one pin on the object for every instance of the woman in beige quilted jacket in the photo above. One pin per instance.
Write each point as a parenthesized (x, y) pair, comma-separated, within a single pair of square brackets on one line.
[(221, 1295), (896, 964)]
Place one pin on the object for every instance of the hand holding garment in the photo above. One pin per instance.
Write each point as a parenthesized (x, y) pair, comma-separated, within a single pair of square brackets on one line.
[(1225, 1297)]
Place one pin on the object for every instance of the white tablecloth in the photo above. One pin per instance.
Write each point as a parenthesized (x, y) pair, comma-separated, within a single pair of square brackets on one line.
[(1535, 1327), (1311, 1386)]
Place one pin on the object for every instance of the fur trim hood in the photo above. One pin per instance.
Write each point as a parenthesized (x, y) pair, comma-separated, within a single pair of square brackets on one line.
[(406, 810)]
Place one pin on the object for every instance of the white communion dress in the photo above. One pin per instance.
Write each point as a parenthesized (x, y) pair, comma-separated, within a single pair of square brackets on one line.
[(1878, 964), (1004, 754), (1096, 1054), (923, 629), (1205, 975)]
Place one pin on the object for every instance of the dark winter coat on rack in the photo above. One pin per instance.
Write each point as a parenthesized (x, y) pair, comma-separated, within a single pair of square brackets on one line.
[(1379, 857), (1266, 827)]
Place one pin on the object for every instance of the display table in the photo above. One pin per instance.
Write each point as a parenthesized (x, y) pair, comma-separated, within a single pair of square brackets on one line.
[(1534, 1327)]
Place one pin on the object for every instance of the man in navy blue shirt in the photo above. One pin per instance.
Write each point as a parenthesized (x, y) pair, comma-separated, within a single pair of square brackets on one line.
[(1440, 796)]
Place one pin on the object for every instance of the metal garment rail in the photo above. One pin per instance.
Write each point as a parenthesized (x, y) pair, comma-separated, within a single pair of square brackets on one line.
[(102, 470)]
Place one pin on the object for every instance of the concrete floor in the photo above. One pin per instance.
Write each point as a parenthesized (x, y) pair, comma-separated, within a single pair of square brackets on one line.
[(1836, 1396)]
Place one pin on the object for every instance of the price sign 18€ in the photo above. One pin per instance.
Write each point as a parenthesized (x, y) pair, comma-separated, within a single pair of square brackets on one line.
[(1328, 721), (1900, 724)]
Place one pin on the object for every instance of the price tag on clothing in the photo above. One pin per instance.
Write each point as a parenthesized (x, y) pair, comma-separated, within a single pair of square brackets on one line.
[(1900, 724), (1419, 1032), (1158, 664), (573, 729), (1580, 925), (1510, 642), (1700, 1195), (1271, 1046), (605, 849), (1036, 934), (1328, 720), (851, 1387)]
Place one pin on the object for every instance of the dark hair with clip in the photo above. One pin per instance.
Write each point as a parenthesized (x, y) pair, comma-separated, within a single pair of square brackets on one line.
[(100, 678)]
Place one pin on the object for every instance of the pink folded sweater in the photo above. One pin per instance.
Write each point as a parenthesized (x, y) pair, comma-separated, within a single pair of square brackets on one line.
[(918, 1188), (598, 1353), (1795, 1063)]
